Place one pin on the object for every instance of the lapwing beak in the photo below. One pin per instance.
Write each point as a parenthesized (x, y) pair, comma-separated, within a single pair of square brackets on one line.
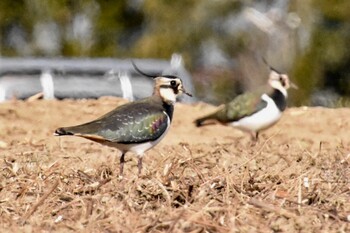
[(189, 94), (293, 85), (185, 92)]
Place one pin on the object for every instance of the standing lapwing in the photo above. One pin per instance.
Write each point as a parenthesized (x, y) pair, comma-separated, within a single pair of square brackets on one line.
[(255, 111), (136, 126)]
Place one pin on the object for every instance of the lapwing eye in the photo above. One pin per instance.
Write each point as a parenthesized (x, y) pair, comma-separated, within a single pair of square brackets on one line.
[(173, 83), (282, 81)]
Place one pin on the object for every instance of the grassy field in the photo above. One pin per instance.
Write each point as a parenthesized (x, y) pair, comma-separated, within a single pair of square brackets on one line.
[(210, 179)]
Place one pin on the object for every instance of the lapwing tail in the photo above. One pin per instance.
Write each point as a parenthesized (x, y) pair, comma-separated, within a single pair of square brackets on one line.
[(200, 121), (62, 132)]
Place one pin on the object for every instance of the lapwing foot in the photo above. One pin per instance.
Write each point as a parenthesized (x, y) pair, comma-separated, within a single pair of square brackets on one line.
[(253, 143)]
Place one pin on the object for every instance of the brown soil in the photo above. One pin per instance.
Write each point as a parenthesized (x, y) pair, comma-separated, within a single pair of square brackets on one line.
[(209, 179)]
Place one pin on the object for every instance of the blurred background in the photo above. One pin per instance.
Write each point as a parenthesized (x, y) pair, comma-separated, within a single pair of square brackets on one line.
[(221, 42)]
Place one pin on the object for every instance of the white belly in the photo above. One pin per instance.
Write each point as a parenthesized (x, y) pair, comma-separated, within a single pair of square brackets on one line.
[(262, 119)]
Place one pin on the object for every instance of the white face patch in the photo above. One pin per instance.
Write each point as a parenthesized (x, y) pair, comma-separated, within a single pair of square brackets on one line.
[(277, 85), (169, 88), (276, 82), (167, 94)]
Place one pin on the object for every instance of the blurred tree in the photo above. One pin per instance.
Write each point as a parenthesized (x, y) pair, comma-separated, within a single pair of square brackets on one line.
[(184, 26), (323, 68), (69, 27), (117, 27), (16, 25)]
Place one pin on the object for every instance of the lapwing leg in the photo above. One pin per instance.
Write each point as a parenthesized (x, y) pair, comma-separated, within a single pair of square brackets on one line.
[(139, 164), (254, 136), (122, 161)]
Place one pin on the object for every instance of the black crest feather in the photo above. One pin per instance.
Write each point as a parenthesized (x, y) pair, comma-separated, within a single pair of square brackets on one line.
[(271, 68), (155, 75), (142, 72)]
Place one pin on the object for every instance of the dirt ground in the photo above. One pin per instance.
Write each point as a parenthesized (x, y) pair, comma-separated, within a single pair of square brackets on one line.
[(210, 179)]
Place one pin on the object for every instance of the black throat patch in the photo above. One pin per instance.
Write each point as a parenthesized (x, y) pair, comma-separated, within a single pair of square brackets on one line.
[(169, 109), (279, 99)]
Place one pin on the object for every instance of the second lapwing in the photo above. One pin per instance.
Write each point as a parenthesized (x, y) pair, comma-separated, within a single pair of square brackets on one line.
[(136, 126), (254, 111)]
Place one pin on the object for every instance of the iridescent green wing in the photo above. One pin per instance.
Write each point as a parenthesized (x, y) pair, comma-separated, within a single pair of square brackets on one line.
[(136, 122), (242, 106)]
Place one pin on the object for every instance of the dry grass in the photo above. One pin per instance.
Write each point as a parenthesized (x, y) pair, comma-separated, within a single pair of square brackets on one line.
[(296, 179)]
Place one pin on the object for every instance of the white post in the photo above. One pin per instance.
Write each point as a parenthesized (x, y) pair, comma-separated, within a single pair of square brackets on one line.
[(46, 81)]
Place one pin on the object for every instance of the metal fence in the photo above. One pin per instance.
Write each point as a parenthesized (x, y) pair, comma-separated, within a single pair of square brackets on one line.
[(84, 77)]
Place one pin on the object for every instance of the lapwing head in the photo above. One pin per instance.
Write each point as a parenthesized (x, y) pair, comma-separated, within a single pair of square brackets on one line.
[(280, 81), (168, 87)]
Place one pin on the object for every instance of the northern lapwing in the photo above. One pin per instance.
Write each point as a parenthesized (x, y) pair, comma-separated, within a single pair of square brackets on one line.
[(136, 126), (254, 111)]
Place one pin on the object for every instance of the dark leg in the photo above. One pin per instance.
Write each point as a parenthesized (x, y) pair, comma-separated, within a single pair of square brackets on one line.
[(139, 165), (122, 161), (256, 136)]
